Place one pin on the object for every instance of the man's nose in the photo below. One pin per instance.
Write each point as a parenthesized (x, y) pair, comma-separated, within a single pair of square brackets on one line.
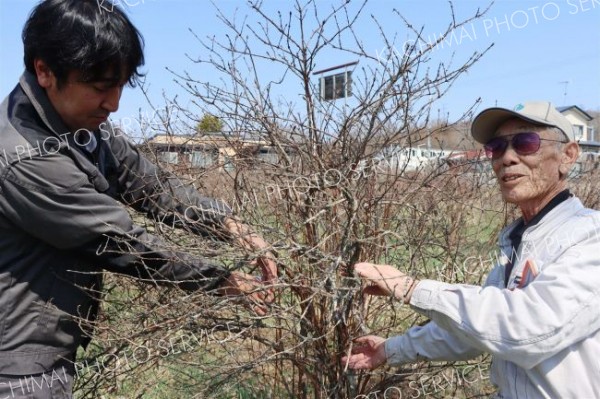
[(113, 96), (510, 156)]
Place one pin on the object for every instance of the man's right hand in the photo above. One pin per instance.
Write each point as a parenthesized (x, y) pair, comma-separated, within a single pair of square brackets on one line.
[(367, 352)]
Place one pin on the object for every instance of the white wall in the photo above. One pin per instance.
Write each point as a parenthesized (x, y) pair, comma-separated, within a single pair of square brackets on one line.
[(579, 123)]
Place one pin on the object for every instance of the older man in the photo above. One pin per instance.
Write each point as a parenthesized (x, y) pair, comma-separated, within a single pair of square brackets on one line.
[(538, 312)]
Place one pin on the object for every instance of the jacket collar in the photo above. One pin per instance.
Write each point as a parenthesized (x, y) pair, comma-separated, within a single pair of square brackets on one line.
[(40, 101), (552, 220)]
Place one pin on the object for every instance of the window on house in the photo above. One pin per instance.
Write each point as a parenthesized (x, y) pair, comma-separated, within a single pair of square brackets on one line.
[(202, 159), (169, 157), (591, 134), (336, 86), (228, 164), (267, 155), (578, 129)]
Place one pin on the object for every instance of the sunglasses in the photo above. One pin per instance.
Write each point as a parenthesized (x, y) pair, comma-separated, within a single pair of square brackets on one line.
[(525, 143)]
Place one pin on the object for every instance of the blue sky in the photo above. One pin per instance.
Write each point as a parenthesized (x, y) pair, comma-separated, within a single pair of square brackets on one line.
[(538, 45)]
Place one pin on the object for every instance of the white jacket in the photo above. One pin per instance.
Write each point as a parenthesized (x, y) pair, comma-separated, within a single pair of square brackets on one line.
[(543, 331)]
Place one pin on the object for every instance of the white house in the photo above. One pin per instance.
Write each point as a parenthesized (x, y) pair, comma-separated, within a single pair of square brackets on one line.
[(580, 119), (398, 159)]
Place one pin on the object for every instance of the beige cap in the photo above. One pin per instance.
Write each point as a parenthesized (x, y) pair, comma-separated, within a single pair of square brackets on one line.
[(538, 112)]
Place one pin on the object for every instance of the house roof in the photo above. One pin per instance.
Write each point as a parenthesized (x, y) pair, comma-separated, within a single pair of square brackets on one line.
[(568, 107), (202, 139)]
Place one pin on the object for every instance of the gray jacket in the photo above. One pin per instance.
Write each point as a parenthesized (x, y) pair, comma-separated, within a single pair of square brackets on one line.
[(62, 221)]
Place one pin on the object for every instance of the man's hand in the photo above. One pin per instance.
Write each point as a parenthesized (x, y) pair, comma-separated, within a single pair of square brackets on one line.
[(367, 352), (250, 240), (385, 280), (241, 284), (268, 269)]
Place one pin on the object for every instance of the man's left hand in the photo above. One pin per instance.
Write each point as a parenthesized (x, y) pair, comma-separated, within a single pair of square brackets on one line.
[(268, 268), (266, 260), (245, 285)]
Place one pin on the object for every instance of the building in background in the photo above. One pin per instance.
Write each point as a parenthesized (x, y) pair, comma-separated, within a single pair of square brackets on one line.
[(584, 131), (587, 136), (336, 85), (209, 150)]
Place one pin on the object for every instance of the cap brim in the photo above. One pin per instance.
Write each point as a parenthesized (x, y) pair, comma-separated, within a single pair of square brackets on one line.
[(486, 123)]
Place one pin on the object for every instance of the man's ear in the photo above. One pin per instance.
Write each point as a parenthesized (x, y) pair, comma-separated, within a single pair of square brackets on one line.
[(568, 157), (45, 77)]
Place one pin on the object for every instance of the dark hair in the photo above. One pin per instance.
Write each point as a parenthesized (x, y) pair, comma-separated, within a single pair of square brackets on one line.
[(83, 35)]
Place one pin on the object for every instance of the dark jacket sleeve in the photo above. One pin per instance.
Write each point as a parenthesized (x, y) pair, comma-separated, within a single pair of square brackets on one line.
[(52, 200), (163, 196)]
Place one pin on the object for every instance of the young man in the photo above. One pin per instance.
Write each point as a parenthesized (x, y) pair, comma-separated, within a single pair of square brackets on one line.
[(538, 312), (62, 170)]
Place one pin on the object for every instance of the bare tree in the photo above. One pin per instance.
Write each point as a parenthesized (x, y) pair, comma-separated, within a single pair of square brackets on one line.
[(326, 201)]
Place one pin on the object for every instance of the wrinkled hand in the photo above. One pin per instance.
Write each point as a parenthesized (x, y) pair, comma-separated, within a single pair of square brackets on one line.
[(368, 352), (384, 280), (241, 284)]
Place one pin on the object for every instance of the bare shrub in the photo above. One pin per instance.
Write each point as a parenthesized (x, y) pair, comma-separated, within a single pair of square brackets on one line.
[(326, 203)]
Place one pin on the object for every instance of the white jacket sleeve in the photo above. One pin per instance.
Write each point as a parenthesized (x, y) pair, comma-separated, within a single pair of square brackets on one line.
[(527, 325), (428, 342)]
